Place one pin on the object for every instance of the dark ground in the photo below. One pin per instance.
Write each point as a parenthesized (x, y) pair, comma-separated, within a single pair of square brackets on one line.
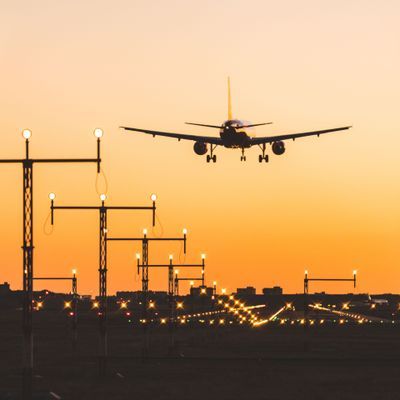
[(342, 362)]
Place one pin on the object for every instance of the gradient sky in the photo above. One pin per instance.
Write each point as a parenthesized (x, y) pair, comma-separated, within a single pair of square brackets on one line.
[(330, 205)]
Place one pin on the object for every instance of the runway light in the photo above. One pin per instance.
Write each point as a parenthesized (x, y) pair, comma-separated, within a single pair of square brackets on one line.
[(151, 304), (123, 305), (163, 320), (153, 197), (67, 304), (103, 197), (26, 133), (203, 291), (39, 304), (223, 291), (98, 133), (179, 305), (95, 304), (52, 196)]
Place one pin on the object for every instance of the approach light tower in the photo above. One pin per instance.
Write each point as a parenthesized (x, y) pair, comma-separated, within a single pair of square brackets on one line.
[(28, 246), (144, 267), (103, 229)]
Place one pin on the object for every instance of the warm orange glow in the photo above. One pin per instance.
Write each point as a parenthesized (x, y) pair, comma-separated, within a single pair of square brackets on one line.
[(66, 81)]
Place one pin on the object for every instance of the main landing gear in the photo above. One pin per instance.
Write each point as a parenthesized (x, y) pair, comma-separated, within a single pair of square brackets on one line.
[(263, 156), (212, 157), (242, 157)]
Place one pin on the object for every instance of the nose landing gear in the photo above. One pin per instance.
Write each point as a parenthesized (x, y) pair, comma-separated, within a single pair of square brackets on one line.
[(242, 157), (263, 156), (212, 157)]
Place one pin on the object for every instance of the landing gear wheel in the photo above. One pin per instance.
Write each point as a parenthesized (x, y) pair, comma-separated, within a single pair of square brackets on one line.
[(260, 158), (208, 158), (214, 158), (244, 158), (266, 158)]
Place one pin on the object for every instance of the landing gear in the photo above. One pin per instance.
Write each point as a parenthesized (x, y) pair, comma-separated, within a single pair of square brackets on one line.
[(242, 157), (212, 157), (263, 156)]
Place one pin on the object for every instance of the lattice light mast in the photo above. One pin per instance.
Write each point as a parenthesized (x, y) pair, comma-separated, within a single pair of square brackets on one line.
[(103, 230), (28, 246)]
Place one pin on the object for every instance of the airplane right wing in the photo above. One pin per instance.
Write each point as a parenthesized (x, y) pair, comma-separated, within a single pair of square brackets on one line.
[(293, 136), (179, 136)]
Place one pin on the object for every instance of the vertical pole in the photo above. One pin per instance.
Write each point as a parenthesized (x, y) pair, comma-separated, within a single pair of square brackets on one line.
[(145, 293), (306, 310), (176, 286), (27, 307), (172, 304), (75, 312), (202, 271), (103, 291), (306, 299)]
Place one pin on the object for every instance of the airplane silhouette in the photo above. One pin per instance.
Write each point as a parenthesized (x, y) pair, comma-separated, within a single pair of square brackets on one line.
[(233, 136)]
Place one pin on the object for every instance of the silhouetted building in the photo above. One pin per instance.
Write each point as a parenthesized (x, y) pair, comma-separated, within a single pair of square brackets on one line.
[(276, 290), (4, 289), (247, 291), (201, 291)]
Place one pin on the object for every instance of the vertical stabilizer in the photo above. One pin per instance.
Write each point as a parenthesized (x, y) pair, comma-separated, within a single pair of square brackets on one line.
[(229, 100)]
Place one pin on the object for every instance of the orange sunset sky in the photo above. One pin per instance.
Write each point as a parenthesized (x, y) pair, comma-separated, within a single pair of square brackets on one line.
[(330, 204)]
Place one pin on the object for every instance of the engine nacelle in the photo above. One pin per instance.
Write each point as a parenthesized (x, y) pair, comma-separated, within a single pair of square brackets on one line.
[(200, 148), (278, 148)]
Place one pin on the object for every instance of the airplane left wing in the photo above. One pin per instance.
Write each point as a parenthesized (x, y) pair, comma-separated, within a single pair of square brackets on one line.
[(179, 136), (293, 136)]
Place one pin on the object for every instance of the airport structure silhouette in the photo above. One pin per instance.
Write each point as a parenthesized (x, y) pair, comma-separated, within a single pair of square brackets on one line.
[(207, 308)]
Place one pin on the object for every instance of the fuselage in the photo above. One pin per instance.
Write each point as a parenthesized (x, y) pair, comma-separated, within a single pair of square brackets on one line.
[(233, 136)]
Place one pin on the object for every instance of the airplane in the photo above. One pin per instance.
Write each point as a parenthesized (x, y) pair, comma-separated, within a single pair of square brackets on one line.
[(369, 301), (233, 135)]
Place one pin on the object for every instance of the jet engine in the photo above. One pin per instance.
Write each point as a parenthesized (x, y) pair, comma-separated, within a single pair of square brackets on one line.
[(200, 148), (278, 148)]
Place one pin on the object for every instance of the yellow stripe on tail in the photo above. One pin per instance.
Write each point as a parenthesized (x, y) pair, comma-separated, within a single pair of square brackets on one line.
[(229, 100)]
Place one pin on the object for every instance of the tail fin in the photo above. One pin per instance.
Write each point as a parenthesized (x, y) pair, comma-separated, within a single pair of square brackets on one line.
[(229, 100)]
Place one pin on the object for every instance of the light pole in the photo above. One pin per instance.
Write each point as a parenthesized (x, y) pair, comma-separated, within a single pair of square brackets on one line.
[(144, 267), (103, 227), (306, 287), (173, 292), (74, 282), (27, 248)]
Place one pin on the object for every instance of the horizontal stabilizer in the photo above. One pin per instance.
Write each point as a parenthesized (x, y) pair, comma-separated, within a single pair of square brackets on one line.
[(208, 126), (253, 125)]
